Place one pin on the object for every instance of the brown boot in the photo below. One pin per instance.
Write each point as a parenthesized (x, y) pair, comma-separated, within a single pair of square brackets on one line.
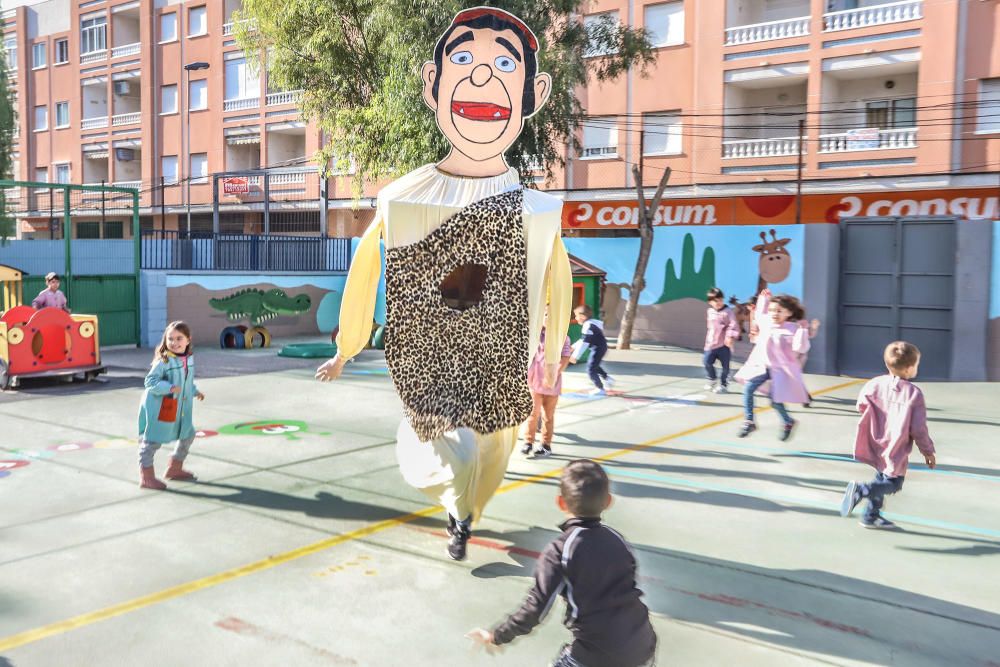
[(176, 471), (149, 480)]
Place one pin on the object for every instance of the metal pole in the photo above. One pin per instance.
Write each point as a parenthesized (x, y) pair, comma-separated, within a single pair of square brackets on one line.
[(798, 176), (52, 229), (163, 206), (137, 260), (67, 241), (187, 143), (100, 232)]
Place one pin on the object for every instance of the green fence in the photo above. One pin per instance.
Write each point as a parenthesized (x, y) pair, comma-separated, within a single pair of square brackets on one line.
[(100, 276)]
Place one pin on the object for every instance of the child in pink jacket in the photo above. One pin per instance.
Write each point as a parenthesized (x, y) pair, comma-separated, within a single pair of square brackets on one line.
[(893, 417), (781, 335)]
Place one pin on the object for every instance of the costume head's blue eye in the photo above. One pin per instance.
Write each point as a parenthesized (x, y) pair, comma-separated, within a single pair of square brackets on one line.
[(461, 58), (505, 64)]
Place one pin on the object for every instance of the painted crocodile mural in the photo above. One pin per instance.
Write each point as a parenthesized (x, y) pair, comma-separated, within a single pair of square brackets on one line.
[(259, 306)]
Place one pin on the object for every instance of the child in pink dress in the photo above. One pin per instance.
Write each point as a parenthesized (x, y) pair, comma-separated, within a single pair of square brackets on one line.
[(893, 418), (781, 334), (543, 399)]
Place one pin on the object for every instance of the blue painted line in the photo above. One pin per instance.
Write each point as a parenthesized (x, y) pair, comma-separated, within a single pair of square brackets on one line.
[(363, 371), (833, 507), (919, 467)]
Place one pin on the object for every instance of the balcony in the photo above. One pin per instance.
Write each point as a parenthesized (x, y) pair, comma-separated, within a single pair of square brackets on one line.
[(127, 50), (133, 185), (285, 97), (868, 139), (288, 178), (93, 57), (241, 103), (229, 29), (133, 118), (865, 17), (762, 32), (774, 147), (93, 123)]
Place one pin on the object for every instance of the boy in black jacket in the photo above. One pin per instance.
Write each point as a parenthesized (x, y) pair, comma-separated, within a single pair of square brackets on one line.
[(593, 568), (592, 338)]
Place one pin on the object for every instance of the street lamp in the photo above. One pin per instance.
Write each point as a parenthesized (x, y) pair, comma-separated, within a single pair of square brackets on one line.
[(187, 122)]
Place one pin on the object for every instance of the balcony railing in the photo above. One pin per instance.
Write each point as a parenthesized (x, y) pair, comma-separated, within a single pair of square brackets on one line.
[(126, 118), (600, 151), (241, 103), (761, 147), (135, 185), (93, 123), (863, 17), (285, 178), (844, 142), (125, 50), (230, 28), (761, 32), (93, 56), (285, 97)]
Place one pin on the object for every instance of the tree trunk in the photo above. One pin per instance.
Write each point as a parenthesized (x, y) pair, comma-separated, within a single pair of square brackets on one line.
[(646, 217)]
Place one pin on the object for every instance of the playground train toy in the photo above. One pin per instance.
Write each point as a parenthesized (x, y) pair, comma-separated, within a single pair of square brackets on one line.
[(46, 342)]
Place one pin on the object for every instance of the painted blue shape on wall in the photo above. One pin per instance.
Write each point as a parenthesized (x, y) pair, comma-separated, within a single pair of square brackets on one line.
[(380, 297), (328, 312)]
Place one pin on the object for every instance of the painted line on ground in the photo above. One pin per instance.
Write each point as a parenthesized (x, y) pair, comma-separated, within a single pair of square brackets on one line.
[(89, 618)]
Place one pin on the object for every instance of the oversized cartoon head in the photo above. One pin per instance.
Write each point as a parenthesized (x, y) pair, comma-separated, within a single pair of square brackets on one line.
[(483, 82)]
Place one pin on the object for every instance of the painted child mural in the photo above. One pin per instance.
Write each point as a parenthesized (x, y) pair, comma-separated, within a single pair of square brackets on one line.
[(471, 260)]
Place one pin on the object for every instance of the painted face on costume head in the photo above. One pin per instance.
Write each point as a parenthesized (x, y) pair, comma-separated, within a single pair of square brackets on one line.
[(480, 101)]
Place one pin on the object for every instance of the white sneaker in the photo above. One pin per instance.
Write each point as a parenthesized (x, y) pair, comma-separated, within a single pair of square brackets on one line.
[(597, 392), (721, 389), (710, 386), (608, 382)]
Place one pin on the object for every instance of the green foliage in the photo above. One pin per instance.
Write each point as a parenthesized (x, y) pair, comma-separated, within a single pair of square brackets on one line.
[(691, 284), (8, 123), (359, 61)]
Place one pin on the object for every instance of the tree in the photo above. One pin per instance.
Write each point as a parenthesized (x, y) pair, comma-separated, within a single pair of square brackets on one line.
[(358, 63), (8, 123), (646, 217)]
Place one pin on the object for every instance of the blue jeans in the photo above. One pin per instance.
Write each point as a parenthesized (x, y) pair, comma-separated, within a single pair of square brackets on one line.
[(752, 386), (723, 355), (876, 491), (594, 369)]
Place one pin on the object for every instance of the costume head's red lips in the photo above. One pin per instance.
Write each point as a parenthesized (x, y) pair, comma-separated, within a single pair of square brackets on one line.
[(480, 110)]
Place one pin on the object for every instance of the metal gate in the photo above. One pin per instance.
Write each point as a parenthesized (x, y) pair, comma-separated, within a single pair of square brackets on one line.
[(896, 283)]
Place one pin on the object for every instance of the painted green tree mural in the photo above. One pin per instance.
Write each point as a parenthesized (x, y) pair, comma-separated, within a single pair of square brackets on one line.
[(690, 284)]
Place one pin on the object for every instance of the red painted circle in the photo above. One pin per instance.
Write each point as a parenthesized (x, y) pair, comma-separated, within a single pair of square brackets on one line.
[(70, 447), (10, 464), (205, 433)]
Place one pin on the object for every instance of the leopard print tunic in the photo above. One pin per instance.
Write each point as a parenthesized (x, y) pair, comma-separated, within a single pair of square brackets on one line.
[(461, 367)]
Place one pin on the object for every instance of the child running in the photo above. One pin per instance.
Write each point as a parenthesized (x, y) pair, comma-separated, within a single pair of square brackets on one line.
[(593, 568), (543, 400), (773, 358), (723, 329), (893, 418), (592, 338), (165, 414)]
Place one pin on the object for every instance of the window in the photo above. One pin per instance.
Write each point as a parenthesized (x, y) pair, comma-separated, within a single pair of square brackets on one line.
[(62, 114), (88, 229), (168, 168), (168, 99), (62, 51), (62, 173), (241, 82), (38, 55), (93, 34), (600, 138), (41, 174), (989, 106), (198, 95), (41, 118), (199, 167), (114, 229), (598, 25), (10, 48), (665, 23), (168, 27), (886, 114), (196, 21), (662, 134)]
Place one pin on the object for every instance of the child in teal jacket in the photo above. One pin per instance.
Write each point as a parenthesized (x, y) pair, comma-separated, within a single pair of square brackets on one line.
[(165, 414)]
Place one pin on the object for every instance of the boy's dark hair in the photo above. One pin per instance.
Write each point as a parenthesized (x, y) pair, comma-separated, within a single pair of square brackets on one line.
[(900, 356), (585, 309), (792, 305), (584, 486), (714, 293), (495, 19)]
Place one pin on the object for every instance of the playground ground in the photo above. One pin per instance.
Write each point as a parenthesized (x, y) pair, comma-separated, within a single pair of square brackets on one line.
[(302, 545)]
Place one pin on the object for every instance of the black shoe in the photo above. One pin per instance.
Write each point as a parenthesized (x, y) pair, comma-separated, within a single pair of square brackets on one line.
[(747, 428), (460, 532), (878, 523), (786, 431), (543, 451), (528, 446)]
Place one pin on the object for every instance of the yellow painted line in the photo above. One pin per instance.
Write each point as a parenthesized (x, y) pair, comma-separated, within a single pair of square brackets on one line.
[(60, 627)]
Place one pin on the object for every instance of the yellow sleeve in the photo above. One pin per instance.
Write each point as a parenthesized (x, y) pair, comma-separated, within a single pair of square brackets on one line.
[(357, 309), (560, 302)]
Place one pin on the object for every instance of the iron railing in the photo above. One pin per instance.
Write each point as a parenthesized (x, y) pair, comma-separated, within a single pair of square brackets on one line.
[(170, 250)]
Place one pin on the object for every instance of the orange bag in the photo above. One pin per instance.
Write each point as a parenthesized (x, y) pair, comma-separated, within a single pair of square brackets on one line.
[(168, 409)]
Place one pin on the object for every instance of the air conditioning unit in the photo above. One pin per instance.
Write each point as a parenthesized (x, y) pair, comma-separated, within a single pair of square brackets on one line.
[(122, 88)]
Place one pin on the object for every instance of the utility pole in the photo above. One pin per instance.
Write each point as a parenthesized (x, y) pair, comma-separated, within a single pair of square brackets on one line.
[(798, 176)]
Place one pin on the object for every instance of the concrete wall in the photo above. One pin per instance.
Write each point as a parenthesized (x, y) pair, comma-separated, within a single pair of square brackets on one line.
[(972, 299), (821, 294), (993, 335)]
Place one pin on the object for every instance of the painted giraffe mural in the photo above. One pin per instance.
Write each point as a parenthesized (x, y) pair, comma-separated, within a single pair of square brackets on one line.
[(774, 263)]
